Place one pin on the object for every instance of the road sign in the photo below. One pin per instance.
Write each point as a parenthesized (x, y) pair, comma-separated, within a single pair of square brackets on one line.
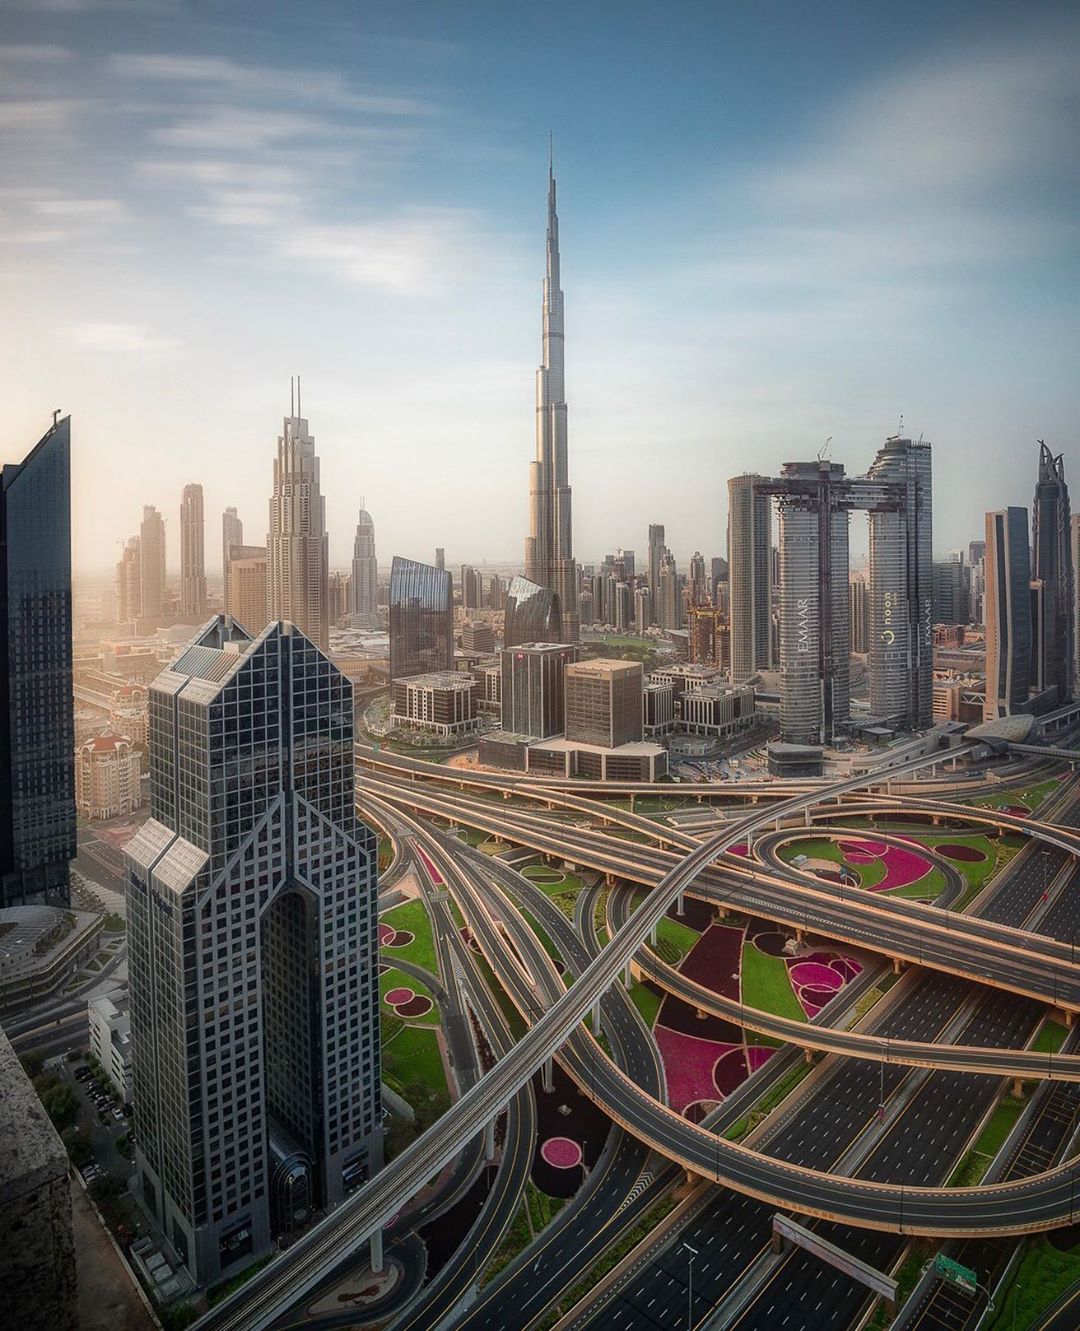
[(955, 1274)]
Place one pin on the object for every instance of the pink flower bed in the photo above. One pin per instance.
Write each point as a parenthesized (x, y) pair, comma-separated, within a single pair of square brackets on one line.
[(386, 932), (704, 1070), (414, 1007), (433, 873), (396, 996), (399, 938), (561, 1153), (901, 866), (819, 977)]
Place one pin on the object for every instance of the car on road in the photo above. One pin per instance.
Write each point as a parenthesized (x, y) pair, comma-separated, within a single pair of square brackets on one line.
[(118, 1115)]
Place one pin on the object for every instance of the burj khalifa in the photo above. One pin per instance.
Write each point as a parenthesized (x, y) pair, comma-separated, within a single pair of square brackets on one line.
[(549, 559)]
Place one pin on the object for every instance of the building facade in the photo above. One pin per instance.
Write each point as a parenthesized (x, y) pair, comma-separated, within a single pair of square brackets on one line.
[(192, 554), (365, 568), (549, 557), (532, 614), (1008, 613), (107, 777), (109, 1022), (232, 533), (749, 536), (253, 961), (421, 619), (444, 703), (151, 564), (298, 568), (603, 702), (533, 687), (129, 583), (1054, 568), (247, 596), (37, 710)]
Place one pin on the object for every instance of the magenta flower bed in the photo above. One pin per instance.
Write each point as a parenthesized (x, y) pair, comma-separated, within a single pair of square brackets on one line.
[(969, 854), (399, 938), (819, 977), (740, 849), (386, 932), (814, 974), (396, 996), (714, 959), (414, 1007), (433, 873), (561, 1153), (901, 866), (704, 1070)]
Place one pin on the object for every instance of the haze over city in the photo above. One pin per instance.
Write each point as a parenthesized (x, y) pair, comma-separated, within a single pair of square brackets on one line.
[(778, 226)]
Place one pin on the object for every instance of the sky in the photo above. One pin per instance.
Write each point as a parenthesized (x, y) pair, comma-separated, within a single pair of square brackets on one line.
[(782, 224)]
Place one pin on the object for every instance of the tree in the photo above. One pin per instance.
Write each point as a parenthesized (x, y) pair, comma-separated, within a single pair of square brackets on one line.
[(59, 1103), (77, 1145), (33, 1062)]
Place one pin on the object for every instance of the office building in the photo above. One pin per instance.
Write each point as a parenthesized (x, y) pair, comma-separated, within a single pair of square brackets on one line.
[(642, 611), (338, 597), (365, 568), (298, 568), (603, 702), (532, 614), (421, 619), (246, 598), (37, 715), (109, 1022), (901, 585), (440, 557), (496, 592), (671, 603), (477, 638), (1054, 568), (232, 533), (718, 582), (151, 564), (533, 687), (443, 703), (697, 584), (192, 554), (253, 955), (718, 711), (950, 599), (815, 635), (658, 709), (656, 555), (1008, 613), (549, 559), (472, 588), (749, 537), (129, 583), (624, 607), (107, 777), (859, 615)]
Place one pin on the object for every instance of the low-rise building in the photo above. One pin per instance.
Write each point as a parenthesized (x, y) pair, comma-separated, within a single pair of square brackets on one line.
[(110, 1038), (477, 637), (718, 710), (443, 703), (658, 708), (107, 777)]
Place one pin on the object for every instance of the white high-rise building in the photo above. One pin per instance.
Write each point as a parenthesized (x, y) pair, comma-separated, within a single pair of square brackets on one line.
[(298, 552), (232, 533), (365, 570), (151, 564), (549, 559), (192, 553)]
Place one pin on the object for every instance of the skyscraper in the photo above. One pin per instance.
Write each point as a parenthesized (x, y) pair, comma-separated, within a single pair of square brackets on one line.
[(671, 606), (253, 962), (129, 582), (549, 558), (1008, 612), (749, 537), (151, 564), (1054, 569), (533, 687), (421, 619), (192, 553), (247, 596), (37, 716), (532, 614), (656, 554), (232, 533), (298, 556), (472, 588), (901, 587), (603, 702), (365, 597), (1074, 551), (440, 557)]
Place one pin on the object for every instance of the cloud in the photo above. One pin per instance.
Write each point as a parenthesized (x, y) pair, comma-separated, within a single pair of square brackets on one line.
[(37, 115), (81, 210), (121, 338), (34, 53)]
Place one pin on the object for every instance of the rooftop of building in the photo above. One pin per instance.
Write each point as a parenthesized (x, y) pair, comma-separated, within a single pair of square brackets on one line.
[(538, 647), (636, 749), (603, 667), (105, 744), (439, 679)]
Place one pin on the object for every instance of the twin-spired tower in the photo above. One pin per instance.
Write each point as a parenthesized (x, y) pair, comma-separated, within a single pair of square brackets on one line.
[(549, 558)]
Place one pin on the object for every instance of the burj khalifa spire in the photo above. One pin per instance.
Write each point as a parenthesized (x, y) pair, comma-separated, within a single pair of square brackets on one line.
[(549, 558)]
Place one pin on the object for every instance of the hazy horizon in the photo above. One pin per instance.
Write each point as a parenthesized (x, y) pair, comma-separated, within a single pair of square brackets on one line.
[(777, 226)]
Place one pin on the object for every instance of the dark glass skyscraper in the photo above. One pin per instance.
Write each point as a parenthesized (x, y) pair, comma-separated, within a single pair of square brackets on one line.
[(1054, 569), (421, 619), (37, 719), (253, 961), (532, 614), (1008, 613)]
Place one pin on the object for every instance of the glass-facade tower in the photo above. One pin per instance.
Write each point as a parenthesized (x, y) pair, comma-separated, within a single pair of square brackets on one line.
[(749, 537), (253, 961), (421, 619), (37, 714), (532, 614), (1007, 606), (1050, 538)]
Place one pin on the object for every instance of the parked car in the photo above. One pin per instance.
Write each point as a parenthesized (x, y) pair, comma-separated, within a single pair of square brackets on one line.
[(82, 1073), (118, 1115)]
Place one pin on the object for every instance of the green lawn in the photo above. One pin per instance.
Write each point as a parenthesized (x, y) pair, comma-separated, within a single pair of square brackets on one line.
[(395, 979), (646, 1002), (413, 1055), (765, 984), (1032, 796), (976, 872), (1050, 1038), (998, 1127), (931, 885), (1042, 1275), (674, 940), (414, 917), (822, 848)]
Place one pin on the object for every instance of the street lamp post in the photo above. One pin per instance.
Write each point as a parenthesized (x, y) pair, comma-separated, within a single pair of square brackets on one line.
[(690, 1288)]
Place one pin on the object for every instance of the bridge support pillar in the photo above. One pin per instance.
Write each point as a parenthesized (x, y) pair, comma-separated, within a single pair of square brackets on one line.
[(375, 1243), (628, 979), (1017, 1088), (806, 816), (808, 1057), (1069, 1015), (506, 795), (776, 1243), (547, 1079), (679, 905), (489, 1139), (609, 880), (897, 965), (596, 1026)]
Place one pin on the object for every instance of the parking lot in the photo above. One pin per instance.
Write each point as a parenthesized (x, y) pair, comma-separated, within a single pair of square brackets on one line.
[(102, 1119)]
